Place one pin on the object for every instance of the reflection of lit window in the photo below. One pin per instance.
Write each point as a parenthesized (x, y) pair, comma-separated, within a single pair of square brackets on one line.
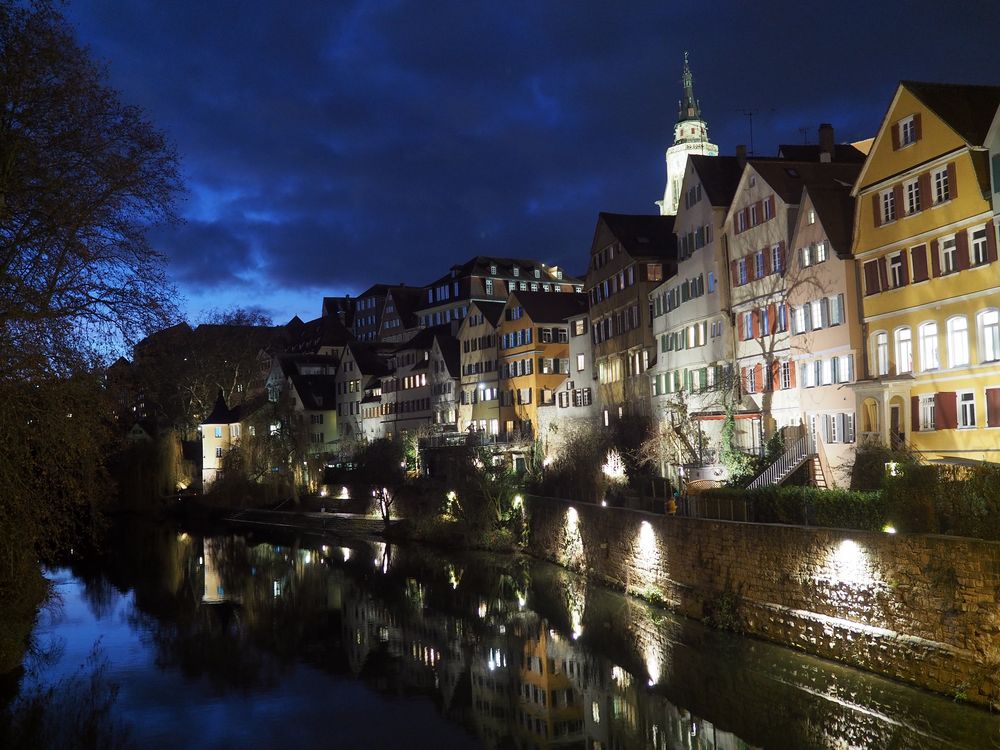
[(595, 712)]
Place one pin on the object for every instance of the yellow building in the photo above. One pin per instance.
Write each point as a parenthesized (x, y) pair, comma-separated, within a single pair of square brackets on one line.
[(926, 246), (533, 342)]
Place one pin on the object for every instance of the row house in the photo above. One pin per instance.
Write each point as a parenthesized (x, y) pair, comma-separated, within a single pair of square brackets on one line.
[(221, 431), (361, 370), (445, 375), (399, 320), (489, 279), (926, 241), (758, 230), (407, 398), (691, 322), (533, 343), (369, 307), (827, 347), (479, 383), (630, 255)]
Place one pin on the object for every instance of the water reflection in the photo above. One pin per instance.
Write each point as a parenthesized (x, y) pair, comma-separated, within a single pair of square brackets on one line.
[(521, 655)]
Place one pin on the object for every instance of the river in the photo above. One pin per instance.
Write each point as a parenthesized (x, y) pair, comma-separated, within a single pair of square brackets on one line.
[(176, 640)]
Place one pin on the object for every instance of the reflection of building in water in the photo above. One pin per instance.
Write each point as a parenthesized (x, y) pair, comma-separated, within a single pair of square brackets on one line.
[(493, 682), (215, 590), (550, 709)]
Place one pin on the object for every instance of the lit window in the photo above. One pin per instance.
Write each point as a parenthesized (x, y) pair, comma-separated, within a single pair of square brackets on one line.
[(218, 432), (907, 131), (966, 410), (958, 342), (881, 353), (581, 360), (942, 191), (989, 335), (776, 259), (949, 255), (929, 347), (904, 351)]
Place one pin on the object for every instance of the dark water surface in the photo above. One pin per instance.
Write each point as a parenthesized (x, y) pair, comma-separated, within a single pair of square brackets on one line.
[(262, 641)]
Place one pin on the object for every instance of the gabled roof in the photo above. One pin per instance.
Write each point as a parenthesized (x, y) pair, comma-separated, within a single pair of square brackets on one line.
[(491, 311), (642, 235), (406, 300), (342, 307), (221, 414), (317, 333), (448, 346), (317, 392), (966, 109), (381, 289), (424, 338), (543, 307), (481, 265), (290, 362), (834, 207), (843, 153), (719, 176), (787, 178), (368, 358)]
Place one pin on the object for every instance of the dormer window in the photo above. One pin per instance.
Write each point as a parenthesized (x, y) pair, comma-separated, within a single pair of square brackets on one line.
[(908, 131), (516, 271), (493, 270), (538, 273)]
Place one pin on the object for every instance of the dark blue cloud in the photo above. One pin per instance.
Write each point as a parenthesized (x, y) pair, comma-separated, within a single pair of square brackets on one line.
[(332, 145)]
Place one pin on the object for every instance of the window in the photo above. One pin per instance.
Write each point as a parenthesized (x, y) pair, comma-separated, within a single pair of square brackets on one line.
[(811, 219), (904, 351), (218, 432), (949, 255), (966, 410), (896, 270), (989, 335), (782, 318), (218, 452), (907, 131), (927, 412), (742, 269), (942, 190), (489, 287), (711, 282), (581, 362), (820, 252), (768, 211), (759, 265), (654, 272), (747, 326), (881, 358), (786, 375), (912, 189), (929, 347), (776, 259), (806, 257), (888, 201), (958, 342), (977, 240), (741, 221), (753, 215), (751, 380)]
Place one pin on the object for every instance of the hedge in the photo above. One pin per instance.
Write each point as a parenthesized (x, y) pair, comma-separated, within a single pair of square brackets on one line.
[(809, 506)]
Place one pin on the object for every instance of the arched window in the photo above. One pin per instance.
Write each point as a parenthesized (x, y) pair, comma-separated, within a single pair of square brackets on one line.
[(988, 323), (904, 350), (880, 353), (958, 341), (929, 359)]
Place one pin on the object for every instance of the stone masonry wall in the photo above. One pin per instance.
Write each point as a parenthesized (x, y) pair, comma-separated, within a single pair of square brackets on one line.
[(918, 608)]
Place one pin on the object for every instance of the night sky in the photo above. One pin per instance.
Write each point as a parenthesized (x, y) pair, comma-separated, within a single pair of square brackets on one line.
[(330, 145)]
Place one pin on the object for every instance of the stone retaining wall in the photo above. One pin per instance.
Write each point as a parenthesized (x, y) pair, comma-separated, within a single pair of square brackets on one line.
[(918, 608)]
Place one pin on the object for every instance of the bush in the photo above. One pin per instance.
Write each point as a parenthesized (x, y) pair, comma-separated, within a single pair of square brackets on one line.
[(809, 506), (911, 498), (970, 505)]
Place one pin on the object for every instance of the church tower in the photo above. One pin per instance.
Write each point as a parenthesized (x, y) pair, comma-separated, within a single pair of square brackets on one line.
[(690, 137)]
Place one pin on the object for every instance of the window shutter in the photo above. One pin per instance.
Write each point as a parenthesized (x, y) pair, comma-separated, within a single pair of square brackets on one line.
[(775, 376), (850, 368), (734, 272), (876, 210), (825, 419), (945, 410), (770, 200), (871, 278), (758, 372), (781, 248), (824, 314), (962, 250), (743, 379), (915, 413), (993, 407), (917, 128), (755, 319), (807, 316), (906, 269), (791, 374), (767, 262), (895, 136), (883, 273), (772, 318), (841, 432), (952, 182), (918, 255), (991, 241), (924, 183), (935, 258)]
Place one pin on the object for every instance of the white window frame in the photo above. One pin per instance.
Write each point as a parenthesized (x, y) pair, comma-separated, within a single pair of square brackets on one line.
[(948, 254), (911, 192), (907, 131), (988, 334), (958, 341), (942, 190), (930, 353), (887, 201), (977, 246), (926, 413), (880, 354), (966, 410), (903, 345), (896, 270)]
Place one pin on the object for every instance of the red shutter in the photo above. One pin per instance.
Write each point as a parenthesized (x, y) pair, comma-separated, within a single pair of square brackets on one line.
[(935, 258), (767, 262), (918, 131), (945, 410), (895, 136), (770, 200), (924, 183), (758, 372), (962, 250), (993, 407), (876, 210), (734, 273), (791, 374), (918, 255), (952, 182), (775, 376), (772, 318), (905, 268), (883, 273), (755, 317), (915, 413), (871, 278), (991, 241), (760, 211)]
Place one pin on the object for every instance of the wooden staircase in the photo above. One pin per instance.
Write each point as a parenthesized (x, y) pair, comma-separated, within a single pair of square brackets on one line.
[(786, 464)]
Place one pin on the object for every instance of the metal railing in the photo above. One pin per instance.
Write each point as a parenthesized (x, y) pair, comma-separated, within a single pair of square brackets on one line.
[(787, 462)]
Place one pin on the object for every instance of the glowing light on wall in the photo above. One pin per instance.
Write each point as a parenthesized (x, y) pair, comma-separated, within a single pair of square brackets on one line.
[(383, 556), (889, 529), (344, 494), (571, 553), (614, 467), (849, 563), (646, 562), (482, 610)]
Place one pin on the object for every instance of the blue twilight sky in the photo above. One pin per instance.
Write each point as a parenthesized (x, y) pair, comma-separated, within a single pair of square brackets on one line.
[(330, 145)]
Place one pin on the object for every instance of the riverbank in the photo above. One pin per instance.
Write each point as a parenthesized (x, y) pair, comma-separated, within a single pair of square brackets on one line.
[(917, 608)]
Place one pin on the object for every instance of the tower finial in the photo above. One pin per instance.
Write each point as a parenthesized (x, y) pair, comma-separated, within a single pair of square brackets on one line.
[(689, 109)]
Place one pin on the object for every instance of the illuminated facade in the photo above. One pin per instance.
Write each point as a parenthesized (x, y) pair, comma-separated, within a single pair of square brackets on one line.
[(479, 397), (926, 241)]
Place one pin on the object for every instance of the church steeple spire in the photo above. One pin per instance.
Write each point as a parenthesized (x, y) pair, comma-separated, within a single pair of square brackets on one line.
[(689, 109)]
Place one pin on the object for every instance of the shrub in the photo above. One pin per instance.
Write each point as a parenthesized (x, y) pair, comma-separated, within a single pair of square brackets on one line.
[(810, 506)]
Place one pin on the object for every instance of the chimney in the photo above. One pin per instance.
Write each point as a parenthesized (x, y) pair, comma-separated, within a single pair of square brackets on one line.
[(826, 143), (741, 155)]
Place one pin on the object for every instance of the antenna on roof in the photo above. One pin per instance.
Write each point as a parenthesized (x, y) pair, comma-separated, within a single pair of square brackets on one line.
[(805, 135), (749, 113)]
